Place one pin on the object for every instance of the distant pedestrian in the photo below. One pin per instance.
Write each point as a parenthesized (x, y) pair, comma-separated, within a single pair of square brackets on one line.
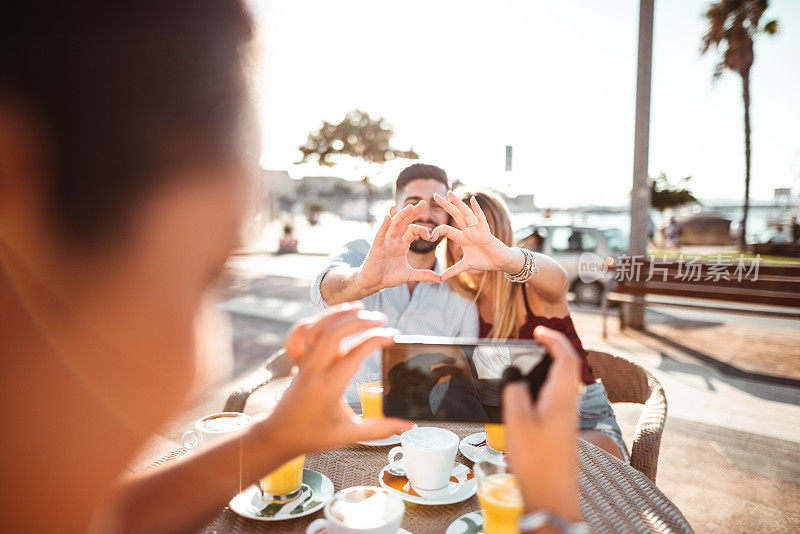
[(735, 232), (671, 233), (794, 229)]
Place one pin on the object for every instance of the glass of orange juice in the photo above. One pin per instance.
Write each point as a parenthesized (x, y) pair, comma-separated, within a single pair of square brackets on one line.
[(496, 438), (285, 483), (370, 394), (499, 497)]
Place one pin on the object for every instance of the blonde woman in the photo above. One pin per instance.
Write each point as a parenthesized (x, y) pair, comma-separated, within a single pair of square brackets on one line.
[(517, 290)]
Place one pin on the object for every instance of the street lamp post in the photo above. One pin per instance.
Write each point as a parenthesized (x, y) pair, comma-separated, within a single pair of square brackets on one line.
[(639, 196)]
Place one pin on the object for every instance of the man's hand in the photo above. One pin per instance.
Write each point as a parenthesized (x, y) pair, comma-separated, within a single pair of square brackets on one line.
[(387, 264), (311, 416), (542, 436)]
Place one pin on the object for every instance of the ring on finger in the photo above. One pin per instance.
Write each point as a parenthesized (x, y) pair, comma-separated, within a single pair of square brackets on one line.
[(473, 224)]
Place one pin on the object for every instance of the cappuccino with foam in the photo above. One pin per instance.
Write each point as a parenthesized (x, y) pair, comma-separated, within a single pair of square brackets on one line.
[(224, 422), (213, 427), (361, 510), (429, 455)]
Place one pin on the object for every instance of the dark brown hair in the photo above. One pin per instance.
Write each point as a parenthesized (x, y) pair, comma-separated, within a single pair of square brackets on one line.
[(124, 93), (420, 171)]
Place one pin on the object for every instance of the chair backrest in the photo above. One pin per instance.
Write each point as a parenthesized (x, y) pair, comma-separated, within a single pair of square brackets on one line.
[(278, 365), (624, 380)]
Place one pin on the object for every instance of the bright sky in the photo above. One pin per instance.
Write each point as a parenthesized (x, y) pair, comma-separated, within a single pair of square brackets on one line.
[(460, 80)]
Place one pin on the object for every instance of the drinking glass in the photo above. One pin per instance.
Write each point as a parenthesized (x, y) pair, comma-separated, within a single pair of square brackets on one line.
[(285, 483), (370, 394), (496, 438), (499, 497)]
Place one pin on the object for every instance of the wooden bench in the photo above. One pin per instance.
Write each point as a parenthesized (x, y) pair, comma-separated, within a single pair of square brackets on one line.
[(732, 286), (777, 249)]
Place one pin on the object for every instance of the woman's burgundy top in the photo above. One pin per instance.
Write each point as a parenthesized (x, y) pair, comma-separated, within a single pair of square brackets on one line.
[(562, 324)]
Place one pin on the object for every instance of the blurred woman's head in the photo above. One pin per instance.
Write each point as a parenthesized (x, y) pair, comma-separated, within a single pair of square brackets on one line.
[(126, 146), (124, 100), (473, 284)]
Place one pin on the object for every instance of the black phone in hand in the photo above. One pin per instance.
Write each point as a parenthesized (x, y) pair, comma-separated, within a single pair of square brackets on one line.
[(458, 380)]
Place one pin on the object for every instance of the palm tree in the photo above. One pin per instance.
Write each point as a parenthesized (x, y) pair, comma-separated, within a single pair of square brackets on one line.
[(734, 24)]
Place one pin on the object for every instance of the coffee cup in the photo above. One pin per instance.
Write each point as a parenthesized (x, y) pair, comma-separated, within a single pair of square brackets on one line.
[(214, 426), (361, 510), (429, 454)]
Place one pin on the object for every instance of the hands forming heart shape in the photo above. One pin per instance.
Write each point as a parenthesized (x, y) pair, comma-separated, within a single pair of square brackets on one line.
[(387, 264), (481, 250)]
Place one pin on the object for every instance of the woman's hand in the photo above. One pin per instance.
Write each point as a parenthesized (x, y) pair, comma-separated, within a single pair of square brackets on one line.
[(542, 436), (481, 250), (311, 415)]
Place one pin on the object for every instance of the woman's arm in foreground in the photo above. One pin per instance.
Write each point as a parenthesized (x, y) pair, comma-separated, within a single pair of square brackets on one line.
[(546, 430), (185, 494)]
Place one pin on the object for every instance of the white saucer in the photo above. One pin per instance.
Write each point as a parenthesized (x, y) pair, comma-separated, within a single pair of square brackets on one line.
[(394, 439), (455, 491), (471, 523), (474, 449), (317, 491), (401, 531)]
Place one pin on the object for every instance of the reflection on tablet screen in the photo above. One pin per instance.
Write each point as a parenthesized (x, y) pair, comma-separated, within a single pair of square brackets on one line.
[(440, 379)]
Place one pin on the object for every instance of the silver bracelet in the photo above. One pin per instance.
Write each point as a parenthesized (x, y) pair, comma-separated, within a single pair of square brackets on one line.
[(528, 270), (536, 520)]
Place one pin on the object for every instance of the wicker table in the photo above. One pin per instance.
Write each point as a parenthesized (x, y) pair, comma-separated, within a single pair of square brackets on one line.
[(614, 497)]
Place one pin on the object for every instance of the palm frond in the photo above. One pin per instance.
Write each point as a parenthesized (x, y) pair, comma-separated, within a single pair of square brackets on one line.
[(732, 25)]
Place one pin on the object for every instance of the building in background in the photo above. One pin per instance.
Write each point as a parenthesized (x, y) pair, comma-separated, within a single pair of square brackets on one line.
[(345, 198), (520, 203), (277, 194)]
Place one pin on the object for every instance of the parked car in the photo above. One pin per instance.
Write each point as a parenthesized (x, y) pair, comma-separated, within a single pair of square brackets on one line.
[(566, 244)]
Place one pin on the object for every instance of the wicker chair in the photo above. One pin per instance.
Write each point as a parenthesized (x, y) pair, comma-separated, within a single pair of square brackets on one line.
[(626, 381), (278, 365)]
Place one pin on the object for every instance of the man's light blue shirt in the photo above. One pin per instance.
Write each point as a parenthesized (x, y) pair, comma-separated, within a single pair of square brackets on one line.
[(432, 309)]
